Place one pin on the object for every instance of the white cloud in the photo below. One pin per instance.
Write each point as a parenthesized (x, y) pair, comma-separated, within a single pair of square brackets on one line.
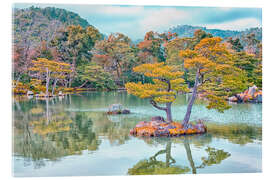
[(240, 24), (115, 10), (162, 19), (135, 10)]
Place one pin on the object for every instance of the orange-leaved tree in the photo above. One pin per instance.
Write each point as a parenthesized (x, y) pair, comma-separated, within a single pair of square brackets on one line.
[(167, 81), (216, 76), (44, 69)]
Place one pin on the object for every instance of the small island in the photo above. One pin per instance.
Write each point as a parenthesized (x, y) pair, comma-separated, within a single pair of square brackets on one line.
[(117, 109)]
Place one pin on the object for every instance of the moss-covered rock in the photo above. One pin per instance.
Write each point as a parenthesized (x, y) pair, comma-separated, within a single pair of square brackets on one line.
[(157, 128)]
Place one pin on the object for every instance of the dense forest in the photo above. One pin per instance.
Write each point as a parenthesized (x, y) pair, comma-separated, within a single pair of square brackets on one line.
[(187, 31), (56, 50)]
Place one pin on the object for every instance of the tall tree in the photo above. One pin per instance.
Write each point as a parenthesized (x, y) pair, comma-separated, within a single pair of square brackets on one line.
[(173, 47), (96, 75), (47, 70), (114, 54), (74, 44), (251, 65), (167, 81), (216, 76)]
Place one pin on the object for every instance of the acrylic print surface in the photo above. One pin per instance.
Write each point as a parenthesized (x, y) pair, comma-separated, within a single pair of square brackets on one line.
[(136, 90)]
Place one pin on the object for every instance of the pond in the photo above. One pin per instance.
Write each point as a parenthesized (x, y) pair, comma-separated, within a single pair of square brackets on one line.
[(73, 136)]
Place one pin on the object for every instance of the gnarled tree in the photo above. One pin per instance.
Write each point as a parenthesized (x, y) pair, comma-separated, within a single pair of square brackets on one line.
[(216, 77), (167, 81)]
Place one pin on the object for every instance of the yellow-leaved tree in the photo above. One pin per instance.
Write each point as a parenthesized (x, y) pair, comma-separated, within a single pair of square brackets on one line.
[(44, 69), (167, 81), (216, 76)]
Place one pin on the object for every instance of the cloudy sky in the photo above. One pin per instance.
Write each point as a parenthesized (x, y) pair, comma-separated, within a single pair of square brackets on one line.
[(135, 21)]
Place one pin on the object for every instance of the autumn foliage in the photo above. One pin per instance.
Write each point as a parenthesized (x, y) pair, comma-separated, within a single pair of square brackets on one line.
[(167, 81), (217, 75), (47, 70)]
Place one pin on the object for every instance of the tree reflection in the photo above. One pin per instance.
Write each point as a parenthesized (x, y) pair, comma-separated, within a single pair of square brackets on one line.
[(115, 128), (215, 156), (153, 166), (42, 133), (189, 156), (237, 133)]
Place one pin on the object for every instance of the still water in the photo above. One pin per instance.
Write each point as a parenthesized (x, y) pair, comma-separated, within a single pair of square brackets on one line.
[(72, 136)]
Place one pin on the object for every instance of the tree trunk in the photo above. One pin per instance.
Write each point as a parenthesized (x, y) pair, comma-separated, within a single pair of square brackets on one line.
[(70, 81), (169, 112), (189, 156), (168, 153), (47, 111), (83, 84), (191, 102), (72, 74), (54, 85), (167, 109), (47, 82), (118, 73)]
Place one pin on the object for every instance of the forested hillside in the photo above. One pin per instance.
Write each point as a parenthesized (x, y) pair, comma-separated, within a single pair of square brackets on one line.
[(56, 50), (188, 31)]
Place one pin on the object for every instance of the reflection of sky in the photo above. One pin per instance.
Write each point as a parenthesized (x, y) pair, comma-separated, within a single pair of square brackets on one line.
[(243, 159), (135, 21)]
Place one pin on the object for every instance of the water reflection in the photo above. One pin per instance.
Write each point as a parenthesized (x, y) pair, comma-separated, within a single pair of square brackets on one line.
[(43, 133), (51, 129), (154, 166)]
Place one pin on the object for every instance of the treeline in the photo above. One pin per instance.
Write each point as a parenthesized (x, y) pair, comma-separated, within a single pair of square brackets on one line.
[(188, 31), (50, 54)]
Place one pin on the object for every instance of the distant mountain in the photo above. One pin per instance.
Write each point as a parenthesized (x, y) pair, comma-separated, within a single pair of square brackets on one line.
[(35, 24), (187, 31)]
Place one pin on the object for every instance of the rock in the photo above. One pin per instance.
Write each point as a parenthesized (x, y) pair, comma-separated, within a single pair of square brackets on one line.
[(158, 128), (252, 90), (250, 95), (188, 126), (233, 99), (162, 132), (126, 111), (258, 98), (115, 107), (170, 127), (240, 97), (145, 131), (154, 124), (247, 98), (142, 124), (158, 118), (200, 128)]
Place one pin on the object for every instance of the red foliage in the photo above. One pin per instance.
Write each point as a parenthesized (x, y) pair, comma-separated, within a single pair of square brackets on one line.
[(145, 44)]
